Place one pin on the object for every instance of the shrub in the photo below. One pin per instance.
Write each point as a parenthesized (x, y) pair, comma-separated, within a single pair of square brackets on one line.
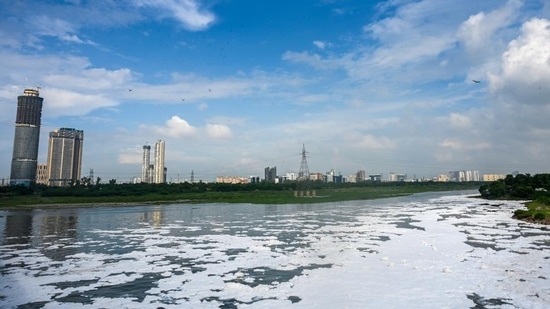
[(522, 214), (539, 216)]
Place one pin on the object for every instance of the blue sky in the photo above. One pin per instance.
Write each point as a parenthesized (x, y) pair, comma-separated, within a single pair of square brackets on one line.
[(236, 86)]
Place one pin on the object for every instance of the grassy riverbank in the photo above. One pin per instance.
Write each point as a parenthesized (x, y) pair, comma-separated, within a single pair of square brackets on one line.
[(537, 211), (323, 194)]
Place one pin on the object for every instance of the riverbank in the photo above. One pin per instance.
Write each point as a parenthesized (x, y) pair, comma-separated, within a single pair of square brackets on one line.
[(536, 212), (322, 195)]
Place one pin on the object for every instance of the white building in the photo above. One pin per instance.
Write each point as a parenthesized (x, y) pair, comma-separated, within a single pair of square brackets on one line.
[(153, 173), (159, 171), (291, 176)]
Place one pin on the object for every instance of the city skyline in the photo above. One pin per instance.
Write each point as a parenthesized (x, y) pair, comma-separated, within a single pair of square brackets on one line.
[(411, 87)]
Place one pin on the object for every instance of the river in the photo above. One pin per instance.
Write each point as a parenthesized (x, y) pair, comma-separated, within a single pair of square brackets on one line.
[(430, 250)]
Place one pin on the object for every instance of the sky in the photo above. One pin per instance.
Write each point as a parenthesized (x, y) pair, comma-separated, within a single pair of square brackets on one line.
[(235, 86)]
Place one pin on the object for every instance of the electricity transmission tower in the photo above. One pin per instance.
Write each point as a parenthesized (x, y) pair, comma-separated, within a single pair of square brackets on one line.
[(303, 175), (303, 187)]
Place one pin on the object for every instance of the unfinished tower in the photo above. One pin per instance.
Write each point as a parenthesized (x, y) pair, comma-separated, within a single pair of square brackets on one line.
[(25, 143)]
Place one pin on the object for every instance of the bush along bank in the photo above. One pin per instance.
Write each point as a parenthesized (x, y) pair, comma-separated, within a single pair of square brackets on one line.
[(523, 187)]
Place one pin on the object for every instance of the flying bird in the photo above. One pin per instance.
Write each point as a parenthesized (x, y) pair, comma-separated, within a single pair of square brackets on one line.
[(130, 90), (476, 81)]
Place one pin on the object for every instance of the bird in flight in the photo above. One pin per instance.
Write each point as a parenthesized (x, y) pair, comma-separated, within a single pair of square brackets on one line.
[(130, 90), (476, 81)]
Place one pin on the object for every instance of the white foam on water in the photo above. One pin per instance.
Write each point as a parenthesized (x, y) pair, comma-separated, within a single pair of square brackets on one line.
[(448, 252)]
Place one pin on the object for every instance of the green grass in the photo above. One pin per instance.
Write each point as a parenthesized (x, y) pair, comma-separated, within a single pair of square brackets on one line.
[(537, 211), (323, 195)]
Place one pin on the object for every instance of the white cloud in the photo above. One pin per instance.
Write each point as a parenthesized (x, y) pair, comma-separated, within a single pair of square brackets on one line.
[(320, 44), (130, 156), (456, 144), (203, 106), (459, 121), (218, 131), (55, 27), (314, 60), (524, 73), (176, 127), (91, 79), (62, 102), (371, 142), (482, 27), (188, 12)]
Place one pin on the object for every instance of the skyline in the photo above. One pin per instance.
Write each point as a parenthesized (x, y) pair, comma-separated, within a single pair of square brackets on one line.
[(413, 87)]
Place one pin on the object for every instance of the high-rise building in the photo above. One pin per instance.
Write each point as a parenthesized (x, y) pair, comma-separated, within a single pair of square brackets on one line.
[(25, 142), (153, 173), (270, 174), (360, 176), (160, 170), (146, 175), (65, 156)]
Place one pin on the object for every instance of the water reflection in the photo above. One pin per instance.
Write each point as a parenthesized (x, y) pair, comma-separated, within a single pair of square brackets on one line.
[(17, 228)]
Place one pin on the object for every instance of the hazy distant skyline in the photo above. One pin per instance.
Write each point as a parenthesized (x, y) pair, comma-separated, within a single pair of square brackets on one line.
[(233, 87)]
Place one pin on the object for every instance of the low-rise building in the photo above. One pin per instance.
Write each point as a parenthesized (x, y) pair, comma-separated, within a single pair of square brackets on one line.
[(493, 177), (232, 179)]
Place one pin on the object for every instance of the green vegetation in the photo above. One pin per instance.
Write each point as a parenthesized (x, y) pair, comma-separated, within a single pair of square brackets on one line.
[(89, 194), (523, 187)]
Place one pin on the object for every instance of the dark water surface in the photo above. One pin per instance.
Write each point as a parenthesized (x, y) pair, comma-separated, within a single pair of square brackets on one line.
[(433, 250)]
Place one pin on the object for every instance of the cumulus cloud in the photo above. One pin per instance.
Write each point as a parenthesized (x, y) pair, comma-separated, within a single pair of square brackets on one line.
[(524, 73), (177, 127), (218, 131), (482, 27), (188, 12)]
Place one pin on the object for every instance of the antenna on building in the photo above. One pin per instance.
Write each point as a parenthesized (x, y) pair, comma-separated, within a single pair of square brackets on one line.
[(37, 86), (192, 176)]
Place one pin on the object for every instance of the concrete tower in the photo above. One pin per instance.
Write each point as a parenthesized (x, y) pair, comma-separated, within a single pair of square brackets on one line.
[(159, 172), (27, 133), (146, 163), (65, 156)]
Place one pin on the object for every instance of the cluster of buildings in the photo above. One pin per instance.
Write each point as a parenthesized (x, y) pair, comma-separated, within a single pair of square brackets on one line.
[(64, 160), (270, 175), (153, 172), (65, 145)]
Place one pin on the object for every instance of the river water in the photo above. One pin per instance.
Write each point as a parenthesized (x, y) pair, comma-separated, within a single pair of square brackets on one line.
[(430, 250)]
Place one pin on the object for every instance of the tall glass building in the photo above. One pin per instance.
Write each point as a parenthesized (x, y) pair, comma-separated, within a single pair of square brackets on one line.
[(27, 134), (65, 156)]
